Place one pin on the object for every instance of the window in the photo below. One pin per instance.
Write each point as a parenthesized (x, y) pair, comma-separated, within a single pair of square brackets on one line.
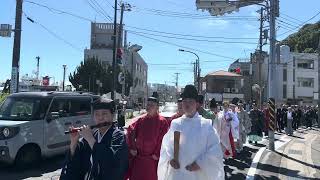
[(284, 74), (305, 82), (306, 64), (80, 106), (60, 108), (25, 109), (284, 91)]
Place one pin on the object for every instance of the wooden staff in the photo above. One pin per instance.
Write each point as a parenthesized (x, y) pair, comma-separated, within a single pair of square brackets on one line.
[(176, 143)]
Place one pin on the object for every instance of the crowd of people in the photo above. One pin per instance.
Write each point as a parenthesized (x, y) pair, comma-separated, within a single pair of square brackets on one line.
[(191, 145)]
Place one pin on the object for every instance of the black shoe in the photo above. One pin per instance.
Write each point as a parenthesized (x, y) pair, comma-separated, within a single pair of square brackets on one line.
[(256, 143), (250, 142)]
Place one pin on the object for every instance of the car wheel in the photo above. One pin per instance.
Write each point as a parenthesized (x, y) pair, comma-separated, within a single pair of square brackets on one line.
[(28, 156)]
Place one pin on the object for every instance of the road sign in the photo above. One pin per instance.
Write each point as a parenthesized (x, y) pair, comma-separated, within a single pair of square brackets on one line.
[(272, 114), (5, 30), (14, 80)]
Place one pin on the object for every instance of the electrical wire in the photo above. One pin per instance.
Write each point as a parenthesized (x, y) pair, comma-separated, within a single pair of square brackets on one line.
[(191, 39)]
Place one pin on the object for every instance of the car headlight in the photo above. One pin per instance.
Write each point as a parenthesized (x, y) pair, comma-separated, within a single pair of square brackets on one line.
[(6, 132)]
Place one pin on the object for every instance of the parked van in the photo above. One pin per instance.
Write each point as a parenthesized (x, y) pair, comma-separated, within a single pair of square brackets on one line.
[(32, 124)]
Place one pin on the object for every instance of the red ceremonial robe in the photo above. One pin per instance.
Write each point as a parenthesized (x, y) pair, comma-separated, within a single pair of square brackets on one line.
[(175, 116), (145, 135)]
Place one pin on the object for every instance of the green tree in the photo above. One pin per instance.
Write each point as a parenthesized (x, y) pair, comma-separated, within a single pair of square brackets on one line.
[(89, 71), (305, 40)]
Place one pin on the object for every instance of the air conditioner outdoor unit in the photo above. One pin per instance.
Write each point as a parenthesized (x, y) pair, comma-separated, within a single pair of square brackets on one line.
[(234, 90), (227, 90)]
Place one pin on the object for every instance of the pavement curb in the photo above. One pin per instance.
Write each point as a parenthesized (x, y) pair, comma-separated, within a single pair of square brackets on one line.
[(293, 159)]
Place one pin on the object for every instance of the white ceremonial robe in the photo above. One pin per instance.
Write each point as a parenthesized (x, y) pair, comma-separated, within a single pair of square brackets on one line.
[(199, 143), (235, 125)]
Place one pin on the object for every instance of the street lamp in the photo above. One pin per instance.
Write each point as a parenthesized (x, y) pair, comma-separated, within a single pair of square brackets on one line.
[(197, 68)]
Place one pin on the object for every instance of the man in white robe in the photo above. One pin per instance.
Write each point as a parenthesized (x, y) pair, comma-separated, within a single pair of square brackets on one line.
[(200, 156)]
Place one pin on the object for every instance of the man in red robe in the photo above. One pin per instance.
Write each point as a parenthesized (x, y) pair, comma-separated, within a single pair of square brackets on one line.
[(179, 113), (144, 140)]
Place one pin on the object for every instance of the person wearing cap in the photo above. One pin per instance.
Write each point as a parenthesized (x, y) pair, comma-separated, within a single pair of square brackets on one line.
[(99, 154), (244, 126), (144, 139), (204, 113), (179, 113), (257, 120), (200, 156), (214, 110)]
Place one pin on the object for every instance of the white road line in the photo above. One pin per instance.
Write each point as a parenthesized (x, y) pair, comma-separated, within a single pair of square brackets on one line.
[(254, 164), (253, 168)]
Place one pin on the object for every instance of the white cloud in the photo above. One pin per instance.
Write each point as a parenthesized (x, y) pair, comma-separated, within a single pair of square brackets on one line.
[(214, 23)]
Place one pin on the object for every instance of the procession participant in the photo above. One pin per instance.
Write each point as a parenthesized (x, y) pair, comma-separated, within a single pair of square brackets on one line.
[(101, 154), (199, 155), (144, 140), (204, 113), (245, 126), (180, 111), (256, 117)]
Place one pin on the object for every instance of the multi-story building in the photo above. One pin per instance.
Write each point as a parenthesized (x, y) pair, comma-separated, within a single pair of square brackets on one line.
[(101, 47), (298, 77), (223, 86)]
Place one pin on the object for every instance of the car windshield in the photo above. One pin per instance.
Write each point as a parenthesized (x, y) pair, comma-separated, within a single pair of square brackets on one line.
[(23, 109), (172, 109)]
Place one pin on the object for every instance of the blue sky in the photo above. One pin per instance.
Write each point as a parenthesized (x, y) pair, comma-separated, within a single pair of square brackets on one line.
[(54, 52)]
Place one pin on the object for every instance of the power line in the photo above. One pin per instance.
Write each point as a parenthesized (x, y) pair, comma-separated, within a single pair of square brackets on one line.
[(52, 33), (177, 45), (102, 10), (59, 11), (191, 39), (187, 35), (292, 17), (98, 11), (301, 24), (288, 24)]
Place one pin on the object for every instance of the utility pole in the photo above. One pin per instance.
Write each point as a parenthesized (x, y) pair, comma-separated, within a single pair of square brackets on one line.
[(38, 66), (64, 76), (114, 75), (274, 5), (260, 57), (14, 87), (177, 83), (319, 83), (194, 73), (198, 76), (119, 47)]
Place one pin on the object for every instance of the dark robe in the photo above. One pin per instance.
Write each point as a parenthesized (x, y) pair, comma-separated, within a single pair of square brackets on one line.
[(109, 158), (145, 135), (257, 120)]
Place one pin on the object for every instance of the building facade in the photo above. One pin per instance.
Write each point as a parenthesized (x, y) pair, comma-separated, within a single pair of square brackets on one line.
[(223, 86), (298, 77), (101, 47)]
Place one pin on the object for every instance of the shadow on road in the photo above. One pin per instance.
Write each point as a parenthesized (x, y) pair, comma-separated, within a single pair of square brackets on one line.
[(46, 166), (279, 170), (301, 162), (237, 168)]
